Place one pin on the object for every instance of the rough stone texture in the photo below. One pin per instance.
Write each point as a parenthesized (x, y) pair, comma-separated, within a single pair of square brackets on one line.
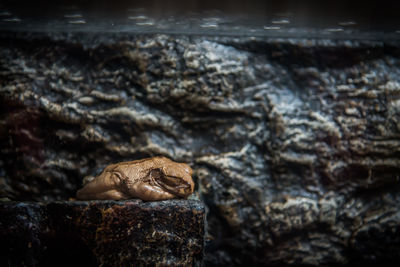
[(295, 143), (102, 233)]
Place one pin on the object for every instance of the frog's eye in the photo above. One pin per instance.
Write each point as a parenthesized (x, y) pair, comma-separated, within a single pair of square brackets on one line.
[(156, 174)]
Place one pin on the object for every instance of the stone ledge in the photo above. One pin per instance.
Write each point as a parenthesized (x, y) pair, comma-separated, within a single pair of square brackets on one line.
[(106, 233)]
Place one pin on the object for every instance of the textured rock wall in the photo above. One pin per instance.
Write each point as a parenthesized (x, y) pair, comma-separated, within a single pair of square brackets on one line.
[(295, 143)]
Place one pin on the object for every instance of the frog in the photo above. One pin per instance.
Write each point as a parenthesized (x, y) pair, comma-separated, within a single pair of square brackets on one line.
[(150, 179)]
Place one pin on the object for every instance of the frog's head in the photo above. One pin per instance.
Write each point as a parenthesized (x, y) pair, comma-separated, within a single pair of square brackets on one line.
[(175, 178)]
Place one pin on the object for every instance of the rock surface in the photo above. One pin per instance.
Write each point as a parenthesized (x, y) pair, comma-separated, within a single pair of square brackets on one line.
[(295, 144), (102, 233)]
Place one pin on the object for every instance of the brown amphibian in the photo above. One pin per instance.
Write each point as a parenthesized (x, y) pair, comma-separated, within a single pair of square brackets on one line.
[(150, 179)]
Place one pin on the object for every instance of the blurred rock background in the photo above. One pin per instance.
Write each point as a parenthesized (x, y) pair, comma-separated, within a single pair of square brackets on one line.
[(294, 142)]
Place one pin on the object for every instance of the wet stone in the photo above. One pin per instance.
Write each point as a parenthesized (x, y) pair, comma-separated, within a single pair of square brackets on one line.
[(102, 233)]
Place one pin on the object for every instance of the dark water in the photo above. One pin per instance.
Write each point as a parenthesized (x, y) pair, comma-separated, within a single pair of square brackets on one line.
[(374, 20)]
